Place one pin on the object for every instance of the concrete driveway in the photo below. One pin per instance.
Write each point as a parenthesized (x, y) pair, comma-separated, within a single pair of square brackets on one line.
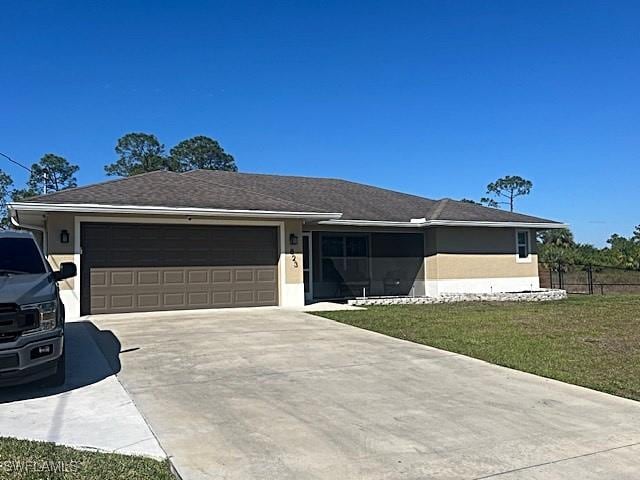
[(91, 410), (274, 394)]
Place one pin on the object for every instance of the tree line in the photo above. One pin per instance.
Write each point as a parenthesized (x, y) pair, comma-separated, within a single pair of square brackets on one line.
[(557, 249), (136, 153)]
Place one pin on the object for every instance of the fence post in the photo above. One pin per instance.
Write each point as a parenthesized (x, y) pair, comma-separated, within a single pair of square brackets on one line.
[(560, 277), (550, 277), (590, 279)]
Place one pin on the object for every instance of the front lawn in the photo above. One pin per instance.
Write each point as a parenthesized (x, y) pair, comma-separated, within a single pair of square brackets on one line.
[(26, 460), (593, 341)]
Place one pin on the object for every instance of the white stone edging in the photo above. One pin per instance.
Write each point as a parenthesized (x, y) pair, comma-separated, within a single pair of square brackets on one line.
[(544, 295)]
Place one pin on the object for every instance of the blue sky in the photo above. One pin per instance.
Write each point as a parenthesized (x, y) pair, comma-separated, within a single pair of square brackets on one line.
[(432, 98)]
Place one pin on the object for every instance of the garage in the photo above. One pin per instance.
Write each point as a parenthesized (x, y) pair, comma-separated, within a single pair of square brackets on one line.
[(127, 267)]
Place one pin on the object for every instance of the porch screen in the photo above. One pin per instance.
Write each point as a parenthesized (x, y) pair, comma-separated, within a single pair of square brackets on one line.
[(383, 263), (344, 264)]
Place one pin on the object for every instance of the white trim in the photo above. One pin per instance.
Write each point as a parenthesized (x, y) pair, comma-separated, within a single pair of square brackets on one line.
[(308, 297), (528, 258), (286, 297), (154, 210), (482, 285), (292, 295), (325, 218), (419, 223)]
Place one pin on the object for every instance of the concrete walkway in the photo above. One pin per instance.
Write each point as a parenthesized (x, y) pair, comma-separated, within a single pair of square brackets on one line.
[(275, 394), (92, 410)]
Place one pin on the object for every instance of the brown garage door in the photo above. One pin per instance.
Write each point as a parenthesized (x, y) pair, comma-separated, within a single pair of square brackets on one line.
[(147, 267)]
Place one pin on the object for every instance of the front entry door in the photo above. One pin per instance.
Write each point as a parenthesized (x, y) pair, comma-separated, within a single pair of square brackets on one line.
[(307, 267)]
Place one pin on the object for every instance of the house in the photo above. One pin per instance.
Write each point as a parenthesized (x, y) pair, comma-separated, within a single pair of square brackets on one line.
[(208, 239)]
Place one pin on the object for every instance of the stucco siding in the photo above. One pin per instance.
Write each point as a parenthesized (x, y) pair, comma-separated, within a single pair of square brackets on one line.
[(466, 259), (293, 253), (456, 266), (470, 240), (56, 222), (464, 252)]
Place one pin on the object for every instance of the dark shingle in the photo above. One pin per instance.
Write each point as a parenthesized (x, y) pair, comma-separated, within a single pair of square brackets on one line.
[(169, 189), (448, 209), (247, 191)]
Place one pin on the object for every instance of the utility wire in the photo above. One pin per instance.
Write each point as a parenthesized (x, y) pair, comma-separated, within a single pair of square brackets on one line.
[(13, 161), (44, 171)]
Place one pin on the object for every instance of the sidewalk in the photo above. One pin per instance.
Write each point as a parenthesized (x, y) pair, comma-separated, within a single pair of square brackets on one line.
[(92, 410)]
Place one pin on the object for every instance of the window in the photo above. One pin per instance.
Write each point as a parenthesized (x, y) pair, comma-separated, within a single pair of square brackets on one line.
[(345, 258), (20, 255), (523, 244)]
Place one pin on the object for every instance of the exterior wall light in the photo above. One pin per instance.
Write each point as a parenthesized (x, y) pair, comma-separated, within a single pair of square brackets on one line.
[(293, 239), (64, 236)]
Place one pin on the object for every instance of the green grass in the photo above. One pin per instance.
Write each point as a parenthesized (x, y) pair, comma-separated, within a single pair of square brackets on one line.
[(26, 460), (593, 341)]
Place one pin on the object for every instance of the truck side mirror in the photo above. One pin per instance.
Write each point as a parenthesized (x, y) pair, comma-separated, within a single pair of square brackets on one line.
[(67, 270)]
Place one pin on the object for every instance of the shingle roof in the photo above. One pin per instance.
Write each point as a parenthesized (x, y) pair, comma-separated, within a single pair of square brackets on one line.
[(170, 189), (246, 191)]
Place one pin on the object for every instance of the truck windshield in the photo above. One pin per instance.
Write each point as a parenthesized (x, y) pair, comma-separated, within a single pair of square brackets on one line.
[(20, 255)]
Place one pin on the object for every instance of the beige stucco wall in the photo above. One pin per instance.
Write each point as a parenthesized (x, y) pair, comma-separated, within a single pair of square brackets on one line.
[(469, 240), (293, 253), (58, 252), (473, 252), (55, 223), (453, 266)]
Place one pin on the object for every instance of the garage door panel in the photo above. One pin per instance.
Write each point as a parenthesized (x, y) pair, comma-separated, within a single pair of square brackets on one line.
[(198, 276), (244, 296), (122, 301), (266, 275), (149, 278), (179, 245), (150, 289), (244, 276), (222, 299), (99, 302), (121, 278), (177, 267), (149, 300), (266, 297), (174, 299), (173, 277), (99, 278), (222, 276), (199, 299)]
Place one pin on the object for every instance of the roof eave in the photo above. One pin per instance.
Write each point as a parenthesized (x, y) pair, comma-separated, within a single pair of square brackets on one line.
[(88, 208), (445, 223)]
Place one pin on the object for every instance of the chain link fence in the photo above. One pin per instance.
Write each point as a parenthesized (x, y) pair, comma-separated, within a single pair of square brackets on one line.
[(590, 279)]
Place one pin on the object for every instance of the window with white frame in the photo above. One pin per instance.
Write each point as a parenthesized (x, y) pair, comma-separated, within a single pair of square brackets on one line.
[(522, 240)]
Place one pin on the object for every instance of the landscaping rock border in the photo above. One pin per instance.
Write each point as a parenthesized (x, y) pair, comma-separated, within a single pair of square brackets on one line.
[(535, 296)]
